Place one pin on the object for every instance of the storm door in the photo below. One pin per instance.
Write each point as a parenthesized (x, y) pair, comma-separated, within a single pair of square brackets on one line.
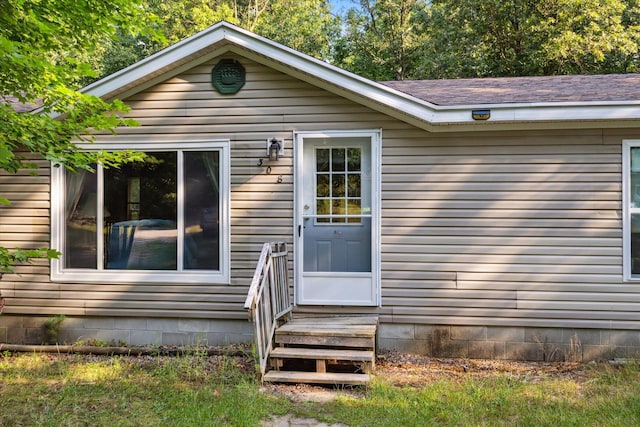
[(337, 221)]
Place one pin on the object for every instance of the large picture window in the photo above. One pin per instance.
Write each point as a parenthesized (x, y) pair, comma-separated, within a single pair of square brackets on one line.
[(164, 219), (631, 209)]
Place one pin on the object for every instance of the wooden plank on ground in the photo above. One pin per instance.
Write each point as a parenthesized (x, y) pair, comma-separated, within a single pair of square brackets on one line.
[(317, 378)]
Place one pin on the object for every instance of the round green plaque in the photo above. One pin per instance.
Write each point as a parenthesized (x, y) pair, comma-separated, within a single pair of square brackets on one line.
[(228, 76)]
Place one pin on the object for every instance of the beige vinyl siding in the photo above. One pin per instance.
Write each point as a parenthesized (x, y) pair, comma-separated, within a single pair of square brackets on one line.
[(478, 228), (505, 229), (25, 224)]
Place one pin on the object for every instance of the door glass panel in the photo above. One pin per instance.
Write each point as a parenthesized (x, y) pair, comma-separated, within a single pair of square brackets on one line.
[(353, 208), (322, 160), (323, 189), (353, 159), (337, 159), (337, 186), (338, 210), (338, 180), (354, 185)]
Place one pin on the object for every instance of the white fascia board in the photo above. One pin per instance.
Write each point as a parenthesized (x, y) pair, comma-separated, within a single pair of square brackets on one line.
[(542, 115)]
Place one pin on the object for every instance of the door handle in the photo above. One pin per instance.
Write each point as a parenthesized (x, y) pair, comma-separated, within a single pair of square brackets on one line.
[(299, 230)]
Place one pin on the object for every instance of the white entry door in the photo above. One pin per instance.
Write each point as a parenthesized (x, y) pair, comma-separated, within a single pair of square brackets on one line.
[(337, 218)]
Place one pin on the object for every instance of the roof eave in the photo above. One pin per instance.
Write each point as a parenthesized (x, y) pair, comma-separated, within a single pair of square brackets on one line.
[(562, 115)]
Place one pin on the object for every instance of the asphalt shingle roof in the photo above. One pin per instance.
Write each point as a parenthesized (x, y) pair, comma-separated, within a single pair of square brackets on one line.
[(505, 90), (15, 103)]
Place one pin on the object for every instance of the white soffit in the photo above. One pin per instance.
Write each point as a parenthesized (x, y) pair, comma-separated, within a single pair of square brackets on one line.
[(224, 37)]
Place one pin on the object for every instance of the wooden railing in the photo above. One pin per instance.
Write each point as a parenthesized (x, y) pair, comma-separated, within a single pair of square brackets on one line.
[(268, 300)]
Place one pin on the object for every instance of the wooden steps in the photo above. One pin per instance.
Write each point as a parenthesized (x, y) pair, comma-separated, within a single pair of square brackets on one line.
[(324, 350)]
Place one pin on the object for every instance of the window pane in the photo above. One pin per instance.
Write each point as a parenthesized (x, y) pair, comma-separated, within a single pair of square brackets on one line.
[(141, 229), (353, 155), (354, 185), (322, 189), (338, 208), (337, 159), (81, 206), (202, 210), (354, 207), (322, 160), (322, 207), (635, 244), (635, 177), (337, 185)]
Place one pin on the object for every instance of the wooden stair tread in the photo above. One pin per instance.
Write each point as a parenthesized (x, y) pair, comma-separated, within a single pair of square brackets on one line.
[(335, 320), (324, 330), (317, 377), (322, 353)]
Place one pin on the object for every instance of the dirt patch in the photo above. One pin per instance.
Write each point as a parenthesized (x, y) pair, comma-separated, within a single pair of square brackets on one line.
[(407, 370), (414, 370), (288, 421)]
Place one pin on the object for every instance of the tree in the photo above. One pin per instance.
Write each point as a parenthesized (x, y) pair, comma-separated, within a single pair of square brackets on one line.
[(304, 25), (383, 39), (40, 46), (520, 37)]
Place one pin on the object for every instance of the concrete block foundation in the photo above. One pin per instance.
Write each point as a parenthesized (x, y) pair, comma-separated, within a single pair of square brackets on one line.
[(510, 343), (477, 342), (127, 331)]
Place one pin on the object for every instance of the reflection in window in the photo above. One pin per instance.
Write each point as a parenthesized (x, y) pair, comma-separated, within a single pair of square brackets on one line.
[(81, 206), (142, 205), (634, 199)]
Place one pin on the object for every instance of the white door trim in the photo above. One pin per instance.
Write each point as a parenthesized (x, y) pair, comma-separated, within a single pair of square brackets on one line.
[(375, 136)]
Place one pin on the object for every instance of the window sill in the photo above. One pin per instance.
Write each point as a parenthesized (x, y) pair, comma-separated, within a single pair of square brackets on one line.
[(139, 276)]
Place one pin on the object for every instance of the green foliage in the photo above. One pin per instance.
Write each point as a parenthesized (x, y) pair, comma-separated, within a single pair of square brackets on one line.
[(42, 44), (304, 25), (517, 37), (383, 39), (403, 39), (52, 328), (50, 390), (10, 257)]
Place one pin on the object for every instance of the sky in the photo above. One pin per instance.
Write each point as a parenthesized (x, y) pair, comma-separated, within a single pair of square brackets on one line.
[(341, 5)]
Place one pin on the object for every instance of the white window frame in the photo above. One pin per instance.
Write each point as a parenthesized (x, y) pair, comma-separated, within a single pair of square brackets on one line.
[(222, 276), (627, 210)]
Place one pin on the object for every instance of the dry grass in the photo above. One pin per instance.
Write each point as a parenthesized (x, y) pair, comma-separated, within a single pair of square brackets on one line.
[(199, 390)]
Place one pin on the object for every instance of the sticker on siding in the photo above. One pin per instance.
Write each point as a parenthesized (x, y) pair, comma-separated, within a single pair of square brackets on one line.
[(228, 76)]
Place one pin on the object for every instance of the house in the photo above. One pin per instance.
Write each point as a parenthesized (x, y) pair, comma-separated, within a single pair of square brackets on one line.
[(477, 217)]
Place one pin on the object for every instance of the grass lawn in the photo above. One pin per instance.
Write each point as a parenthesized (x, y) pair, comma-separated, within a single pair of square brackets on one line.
[(199, 390)]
